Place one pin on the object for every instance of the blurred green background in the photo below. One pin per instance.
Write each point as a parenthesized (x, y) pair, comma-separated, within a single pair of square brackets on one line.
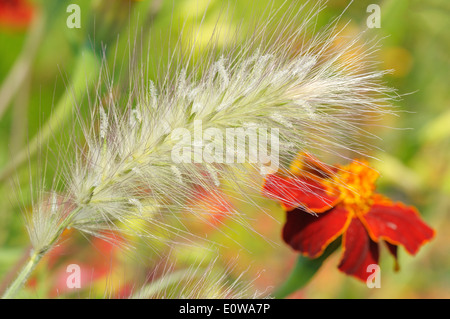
[(39, 57)]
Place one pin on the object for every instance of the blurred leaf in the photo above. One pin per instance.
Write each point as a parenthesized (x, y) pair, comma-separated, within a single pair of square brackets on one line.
[(438, 129), (395, 171), (8, 256), (304, 270)]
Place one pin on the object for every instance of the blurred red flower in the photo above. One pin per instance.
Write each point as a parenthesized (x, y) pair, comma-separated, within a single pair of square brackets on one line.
[(346, 204), (15, 13), (212, 207)]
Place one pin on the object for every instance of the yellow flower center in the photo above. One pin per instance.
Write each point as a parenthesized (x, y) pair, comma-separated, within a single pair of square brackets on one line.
[(355, 184)]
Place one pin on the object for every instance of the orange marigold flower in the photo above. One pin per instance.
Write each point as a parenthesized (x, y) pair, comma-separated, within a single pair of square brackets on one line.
[(15, 13), (347, 205)]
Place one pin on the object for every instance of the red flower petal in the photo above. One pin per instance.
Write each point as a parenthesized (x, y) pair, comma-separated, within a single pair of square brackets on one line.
[(305, 164), (311, 234), (15, 13), (295, 192), (397, 224), (359, 251)]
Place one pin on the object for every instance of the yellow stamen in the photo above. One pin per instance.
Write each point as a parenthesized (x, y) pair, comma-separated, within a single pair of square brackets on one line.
[(355, 184)]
